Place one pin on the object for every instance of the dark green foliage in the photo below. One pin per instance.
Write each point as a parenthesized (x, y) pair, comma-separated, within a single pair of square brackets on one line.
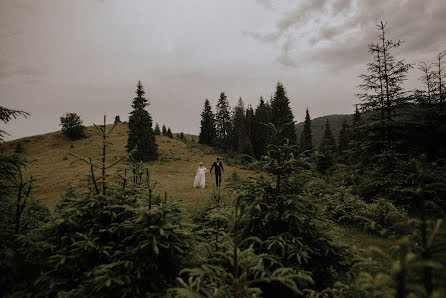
[(380, 217), (260, 135), (249, 126), (72, 126), (141, 141), (327, 150), (157, 130), (114, 245), (207, 130), (223, 123), (164, 130), (281, 113), (345, 137), (17, 254), (19, 215), (117, 119), (6, 115), (306, 138), (169, 133), (241, 142), (287, 221), (385, 176), (232, 267)]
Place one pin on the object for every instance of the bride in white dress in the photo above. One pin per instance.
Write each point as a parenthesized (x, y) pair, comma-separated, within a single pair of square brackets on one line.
[(200, 176)]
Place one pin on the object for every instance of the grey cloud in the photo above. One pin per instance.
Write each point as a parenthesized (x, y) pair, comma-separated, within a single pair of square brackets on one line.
[(285, 58), (265, 3), (289, 20), (419, 23), (340, 6), (301, 14)]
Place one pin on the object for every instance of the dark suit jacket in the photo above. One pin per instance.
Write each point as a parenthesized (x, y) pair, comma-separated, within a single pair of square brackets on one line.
[(218, 168)]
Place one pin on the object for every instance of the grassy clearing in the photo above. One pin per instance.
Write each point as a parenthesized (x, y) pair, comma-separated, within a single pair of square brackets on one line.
[(174, 172)]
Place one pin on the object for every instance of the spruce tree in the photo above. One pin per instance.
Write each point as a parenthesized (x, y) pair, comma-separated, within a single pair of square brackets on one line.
[(169, 133), (440, 76), (223, 123), (344, 137), (383, 88), (327, 149), (306, 138), (207, 130), (164, 130), (281, 113), (240, 138), (141, 140), (261, 136), (157, 130), (249, 118)]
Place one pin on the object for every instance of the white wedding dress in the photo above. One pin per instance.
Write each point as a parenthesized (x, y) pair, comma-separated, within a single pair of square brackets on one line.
[(200, 178)]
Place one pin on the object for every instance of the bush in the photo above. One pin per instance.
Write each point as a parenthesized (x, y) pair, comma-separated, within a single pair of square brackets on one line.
[(118, 245), (381, 216), (72, 126)]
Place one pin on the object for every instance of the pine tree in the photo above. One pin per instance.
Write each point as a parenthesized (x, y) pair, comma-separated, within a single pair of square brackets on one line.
[(169, 133), (327, 149), (344, 137), (164, 130), (157, 130), (440, 76), (383, 87), (223, 123), (207, 130), (240, 138), (141, 140), (117, 119), (249, 118), (281, 113), (306, 138), (261, 136)]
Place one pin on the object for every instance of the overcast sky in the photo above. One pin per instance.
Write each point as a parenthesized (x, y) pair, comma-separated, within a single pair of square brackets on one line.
[(86, 56)]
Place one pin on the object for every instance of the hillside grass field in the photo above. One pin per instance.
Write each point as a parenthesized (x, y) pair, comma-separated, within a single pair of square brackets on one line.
[(54, 169)]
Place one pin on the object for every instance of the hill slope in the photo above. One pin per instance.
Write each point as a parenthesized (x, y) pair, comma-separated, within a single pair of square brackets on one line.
[(174, 171), (318, 126)]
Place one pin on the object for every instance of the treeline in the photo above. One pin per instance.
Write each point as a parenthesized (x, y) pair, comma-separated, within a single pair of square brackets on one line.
[(243, 129)]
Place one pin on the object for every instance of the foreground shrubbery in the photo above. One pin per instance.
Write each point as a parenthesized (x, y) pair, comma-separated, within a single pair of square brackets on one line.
[(105, 245)]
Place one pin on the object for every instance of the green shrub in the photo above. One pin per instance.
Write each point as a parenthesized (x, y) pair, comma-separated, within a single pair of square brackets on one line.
[(72, 126), (113, 245)]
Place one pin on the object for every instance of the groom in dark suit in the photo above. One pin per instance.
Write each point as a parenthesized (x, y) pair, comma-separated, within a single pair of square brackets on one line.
[(218, 170)]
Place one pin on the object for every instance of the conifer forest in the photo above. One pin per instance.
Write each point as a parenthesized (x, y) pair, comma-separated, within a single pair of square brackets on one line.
[(288, 222)]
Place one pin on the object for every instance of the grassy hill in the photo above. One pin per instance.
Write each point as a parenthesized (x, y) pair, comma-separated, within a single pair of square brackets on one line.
[(318, 126), (54, 170)]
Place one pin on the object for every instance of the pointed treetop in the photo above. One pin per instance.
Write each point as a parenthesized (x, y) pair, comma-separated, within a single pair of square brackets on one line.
[(280, 90), (139, 102)]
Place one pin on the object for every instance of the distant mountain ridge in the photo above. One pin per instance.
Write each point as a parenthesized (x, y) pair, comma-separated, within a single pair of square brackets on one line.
[(318, 126)]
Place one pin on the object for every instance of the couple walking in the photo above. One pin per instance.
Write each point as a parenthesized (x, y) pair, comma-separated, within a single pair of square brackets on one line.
[(200, 178)]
